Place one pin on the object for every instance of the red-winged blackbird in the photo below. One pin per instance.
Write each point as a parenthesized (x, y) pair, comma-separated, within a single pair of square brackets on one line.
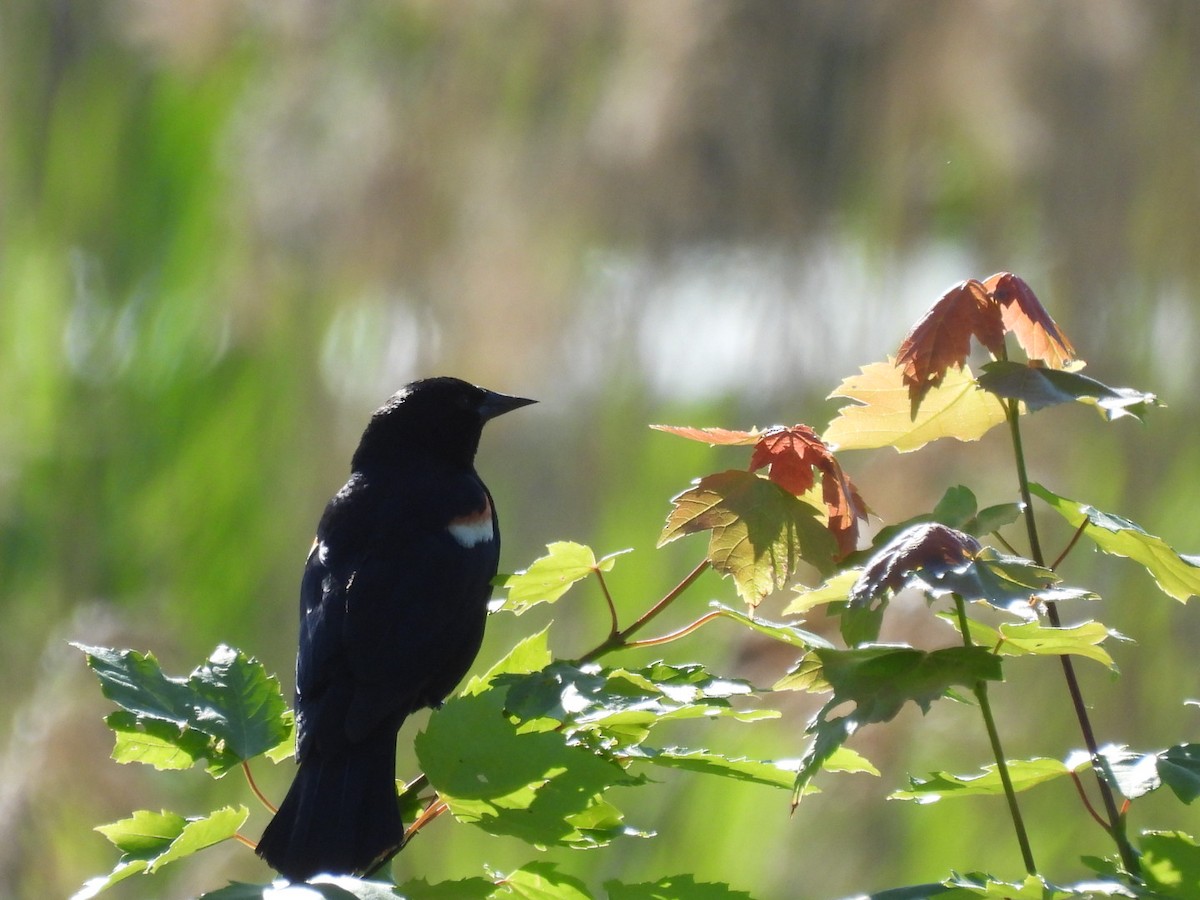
[(392, 609)]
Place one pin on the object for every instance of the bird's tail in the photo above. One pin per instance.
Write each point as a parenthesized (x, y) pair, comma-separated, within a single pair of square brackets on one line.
[(340, 814)]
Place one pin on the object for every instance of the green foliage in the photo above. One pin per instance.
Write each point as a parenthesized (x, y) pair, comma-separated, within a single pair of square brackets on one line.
[(536, 748)]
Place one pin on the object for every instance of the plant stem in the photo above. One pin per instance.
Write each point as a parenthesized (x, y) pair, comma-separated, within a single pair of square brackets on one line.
[(1116, 821), (989, 721), (618, 639)]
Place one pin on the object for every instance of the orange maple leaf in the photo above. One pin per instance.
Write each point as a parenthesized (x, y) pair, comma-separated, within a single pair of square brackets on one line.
[(795, 454), (711, 435), (942, 337), (1023, 315)]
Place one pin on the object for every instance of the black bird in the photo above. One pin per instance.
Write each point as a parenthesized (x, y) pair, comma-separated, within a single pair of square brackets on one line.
[(392, 609)]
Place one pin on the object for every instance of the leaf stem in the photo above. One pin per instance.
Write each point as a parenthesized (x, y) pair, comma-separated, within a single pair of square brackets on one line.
[(262, 798), (619, 639), (989, 721), (1116, 822), (675, 635), (612, 607)]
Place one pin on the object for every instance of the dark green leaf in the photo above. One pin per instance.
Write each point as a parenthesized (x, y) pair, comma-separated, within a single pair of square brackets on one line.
[(1039, 387), (956, 508), (227, 711), (879, 681), (238, 703), (758, 532), (463, 889), (1177, 575), (1179, 769)]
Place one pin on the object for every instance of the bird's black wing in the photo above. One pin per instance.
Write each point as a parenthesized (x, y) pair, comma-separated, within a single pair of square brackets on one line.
[(393, 614)]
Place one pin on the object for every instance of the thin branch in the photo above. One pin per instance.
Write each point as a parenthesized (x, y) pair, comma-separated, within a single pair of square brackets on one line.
[(619, 639), (1115, 826), (1070, 545), (245, 841), (993, 733)]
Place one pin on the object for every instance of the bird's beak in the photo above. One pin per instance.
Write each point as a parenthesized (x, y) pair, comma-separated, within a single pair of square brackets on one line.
[(498, 404)]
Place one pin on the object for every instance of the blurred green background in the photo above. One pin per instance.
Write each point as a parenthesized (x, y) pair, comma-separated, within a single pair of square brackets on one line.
[(228, 230)]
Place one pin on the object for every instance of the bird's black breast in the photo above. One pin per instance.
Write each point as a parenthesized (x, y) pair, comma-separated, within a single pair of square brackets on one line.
[(393, 599)]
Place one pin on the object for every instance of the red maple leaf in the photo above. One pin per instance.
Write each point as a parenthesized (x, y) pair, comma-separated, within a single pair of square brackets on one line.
[(942, 337), (795, 455), (1023, 315)]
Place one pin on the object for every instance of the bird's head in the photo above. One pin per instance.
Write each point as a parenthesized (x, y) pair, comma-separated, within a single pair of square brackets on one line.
[(441, 417)]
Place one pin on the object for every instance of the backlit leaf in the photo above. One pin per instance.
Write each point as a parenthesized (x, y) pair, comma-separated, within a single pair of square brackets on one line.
[(712, 436), (759, 533), (1036, 639), (942, 338), (675, 887), (1024, 316), (1178, 576), (1039, 387), (1171, 863), (1024, 773), (883, 415), (148, 841), (551, 576), (533, 785)]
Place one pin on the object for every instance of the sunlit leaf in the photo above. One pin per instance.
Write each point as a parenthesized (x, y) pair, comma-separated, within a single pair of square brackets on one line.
[(1171, 863), (621, 704), (787, 634), (1179, 769), (540, 881), (772, 773), (1178, 576), (675, 887), (551, 576), (533, 785), (1036, 639), (835, 589), (759, 533), (1039, 387), (1024, 773), (883, 416), (1034, 887), (148, 841), (711, 436)]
